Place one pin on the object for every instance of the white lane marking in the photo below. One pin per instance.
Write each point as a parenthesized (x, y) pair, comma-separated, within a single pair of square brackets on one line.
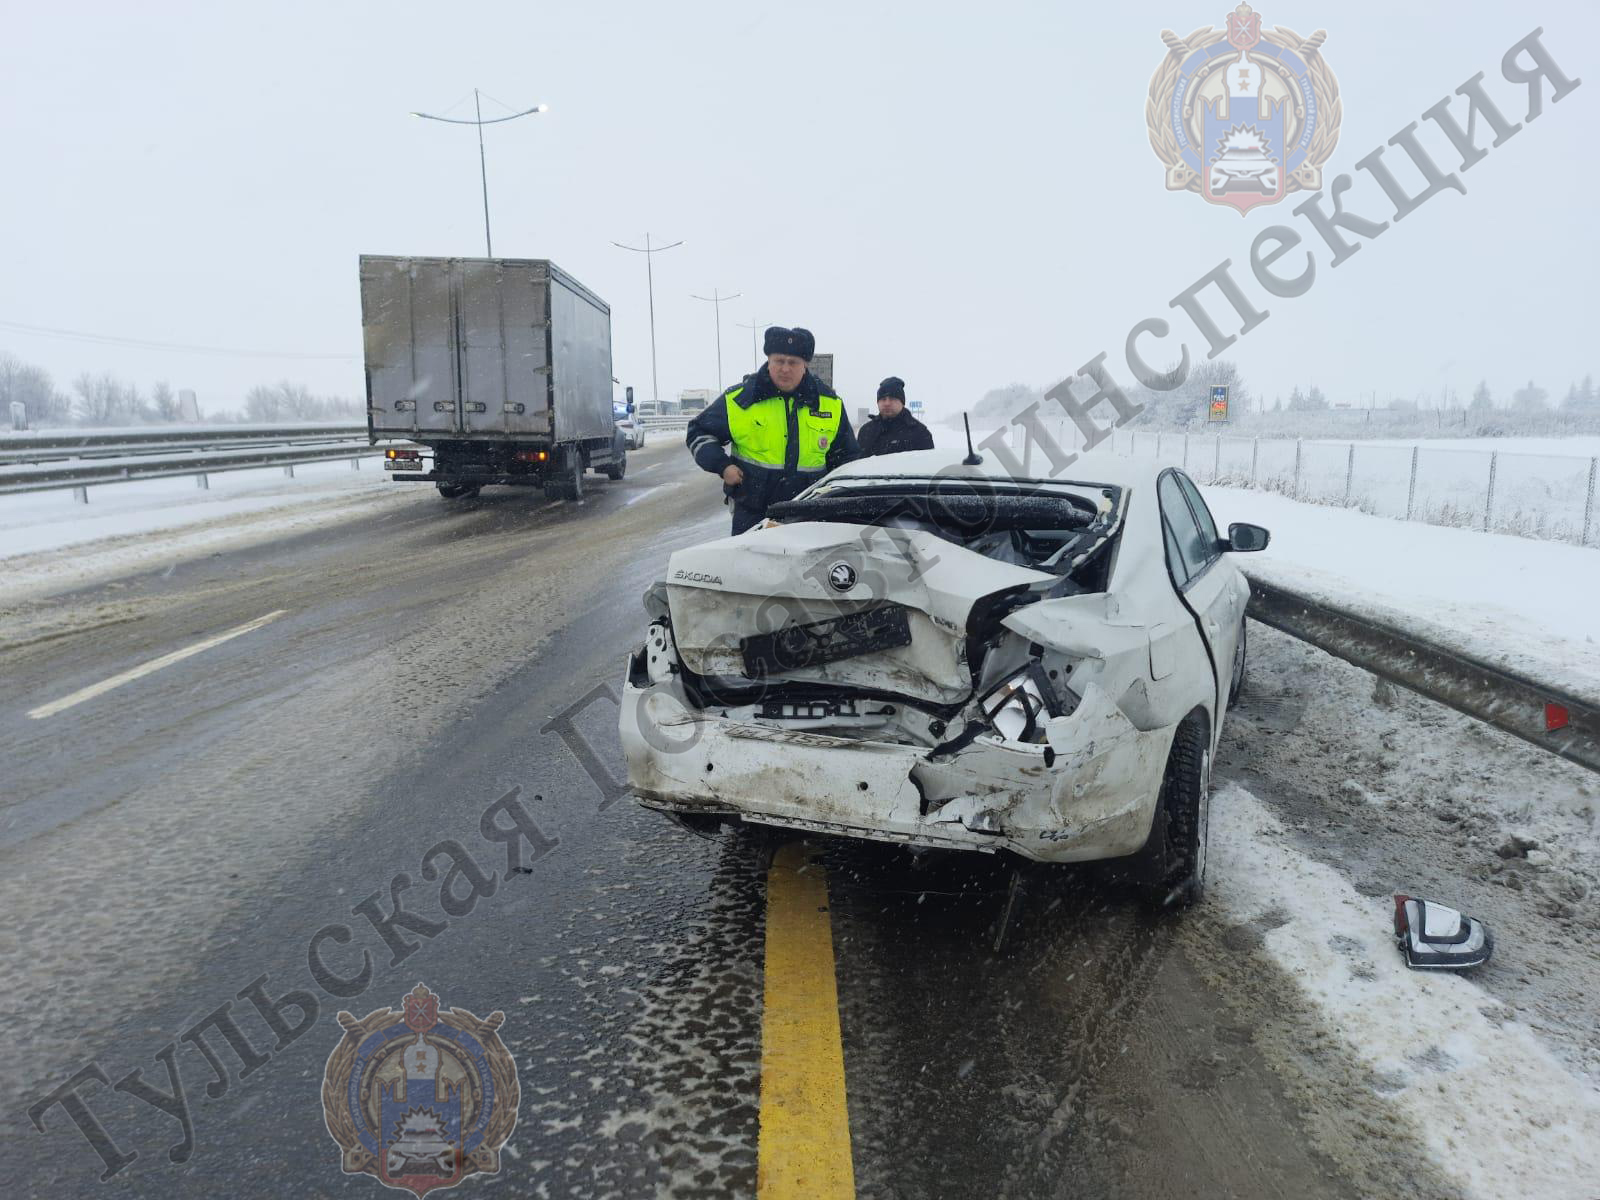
[(640, 496), (155, 664), (651, 467), (1496, 1103)]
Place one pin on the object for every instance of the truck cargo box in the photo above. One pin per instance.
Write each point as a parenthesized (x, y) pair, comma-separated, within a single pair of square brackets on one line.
[(495, 349)]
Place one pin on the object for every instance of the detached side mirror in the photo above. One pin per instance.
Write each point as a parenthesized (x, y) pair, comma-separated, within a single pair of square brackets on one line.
[(1242, 538)]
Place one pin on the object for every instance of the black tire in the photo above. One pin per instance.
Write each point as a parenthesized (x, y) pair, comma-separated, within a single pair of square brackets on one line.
[(1236, 684), (617, 469), (1170, 872), (457, 491), (568, 482)]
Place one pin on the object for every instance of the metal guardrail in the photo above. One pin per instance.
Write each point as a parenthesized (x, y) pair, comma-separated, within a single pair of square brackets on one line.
[(1548, 717), (125, 442), (52, 477), (670, 421)]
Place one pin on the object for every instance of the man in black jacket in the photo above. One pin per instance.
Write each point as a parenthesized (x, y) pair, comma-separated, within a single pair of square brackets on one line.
[(894, 429), (783, 430)]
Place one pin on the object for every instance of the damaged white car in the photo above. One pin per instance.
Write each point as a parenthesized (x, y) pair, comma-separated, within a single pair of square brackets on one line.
[(922, 651)]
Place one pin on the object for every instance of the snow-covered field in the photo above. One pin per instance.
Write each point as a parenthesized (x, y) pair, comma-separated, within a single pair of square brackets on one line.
[(1580, 446), (1476, 484), (1517, 602)]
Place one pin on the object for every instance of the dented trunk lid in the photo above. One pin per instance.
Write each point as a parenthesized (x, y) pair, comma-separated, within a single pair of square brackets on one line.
[(728, 594)]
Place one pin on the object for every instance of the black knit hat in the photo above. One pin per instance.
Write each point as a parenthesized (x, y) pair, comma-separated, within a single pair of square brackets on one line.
[(798, 342), (893, 386)]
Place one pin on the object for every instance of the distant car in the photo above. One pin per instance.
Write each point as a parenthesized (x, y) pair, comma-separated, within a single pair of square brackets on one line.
[(940, 655), (632, 430)]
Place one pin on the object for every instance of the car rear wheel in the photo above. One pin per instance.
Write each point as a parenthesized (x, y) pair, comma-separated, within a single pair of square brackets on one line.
[(1170, 871), (617, 469)]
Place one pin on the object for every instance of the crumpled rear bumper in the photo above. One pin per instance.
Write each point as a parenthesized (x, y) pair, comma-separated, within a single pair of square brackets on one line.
[(1090, 793)]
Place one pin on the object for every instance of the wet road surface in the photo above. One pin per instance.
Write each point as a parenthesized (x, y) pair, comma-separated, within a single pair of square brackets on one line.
[(166, 845)]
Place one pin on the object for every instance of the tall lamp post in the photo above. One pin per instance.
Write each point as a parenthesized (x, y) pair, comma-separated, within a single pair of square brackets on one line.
[(715, 300), (649, 252), (752, 327), (483, 166)]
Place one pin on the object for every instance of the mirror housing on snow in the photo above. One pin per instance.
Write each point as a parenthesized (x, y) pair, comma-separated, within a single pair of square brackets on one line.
[(1435, 937), (1242, 537)]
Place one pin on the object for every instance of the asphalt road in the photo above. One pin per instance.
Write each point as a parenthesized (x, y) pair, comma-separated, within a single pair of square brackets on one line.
[(166, 843)]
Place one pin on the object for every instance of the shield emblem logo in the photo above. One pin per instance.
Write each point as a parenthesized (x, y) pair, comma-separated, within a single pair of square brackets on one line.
[(422, 1096), (1244, 115), (1243, 127)]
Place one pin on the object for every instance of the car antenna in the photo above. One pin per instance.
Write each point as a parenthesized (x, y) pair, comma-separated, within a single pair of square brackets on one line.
[(973, 458)]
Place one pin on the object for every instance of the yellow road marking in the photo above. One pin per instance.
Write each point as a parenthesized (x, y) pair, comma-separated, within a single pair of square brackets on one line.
[(804, 1149), (155, 664)]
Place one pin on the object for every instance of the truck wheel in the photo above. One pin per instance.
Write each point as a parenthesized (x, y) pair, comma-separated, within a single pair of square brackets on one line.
[(453, 491), (617, 469), (568, 483), (1170, 871)]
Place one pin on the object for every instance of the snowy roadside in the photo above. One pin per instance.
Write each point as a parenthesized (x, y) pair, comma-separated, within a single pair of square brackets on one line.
[(1494, 1104), (1508, 601), (50, 543)]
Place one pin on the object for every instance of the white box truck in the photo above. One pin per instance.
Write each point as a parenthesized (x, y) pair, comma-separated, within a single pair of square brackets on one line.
[(499, 369)]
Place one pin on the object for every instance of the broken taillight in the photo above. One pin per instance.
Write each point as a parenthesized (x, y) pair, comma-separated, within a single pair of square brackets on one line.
[(1019, 707)]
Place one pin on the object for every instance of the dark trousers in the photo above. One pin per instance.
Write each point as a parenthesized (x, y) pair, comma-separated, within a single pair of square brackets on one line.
[(744, 518)]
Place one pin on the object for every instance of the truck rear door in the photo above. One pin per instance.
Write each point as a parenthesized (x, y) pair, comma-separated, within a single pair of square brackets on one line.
[(408, 326), (504, 330)]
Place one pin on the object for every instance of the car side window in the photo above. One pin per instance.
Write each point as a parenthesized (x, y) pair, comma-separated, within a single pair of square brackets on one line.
[(1180, 573), (1202, 514), (1185, 536)]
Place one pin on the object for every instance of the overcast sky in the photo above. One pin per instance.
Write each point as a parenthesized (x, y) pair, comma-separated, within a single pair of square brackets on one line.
[(963, 195)]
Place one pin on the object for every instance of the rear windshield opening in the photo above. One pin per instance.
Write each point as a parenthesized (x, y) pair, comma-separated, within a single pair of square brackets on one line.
[(1051, 531)]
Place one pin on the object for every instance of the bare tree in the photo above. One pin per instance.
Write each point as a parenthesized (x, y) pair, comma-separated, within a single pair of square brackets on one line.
[(31, 385), (1482, 401), (102, 399), (163, 401)]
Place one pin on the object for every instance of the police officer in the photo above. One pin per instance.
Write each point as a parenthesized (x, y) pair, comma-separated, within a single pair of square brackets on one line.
[(894, 429), (783, 430)]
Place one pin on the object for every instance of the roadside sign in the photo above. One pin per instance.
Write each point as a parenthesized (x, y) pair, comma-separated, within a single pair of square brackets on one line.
[(1219, 404), (822, 368), (915, 406)]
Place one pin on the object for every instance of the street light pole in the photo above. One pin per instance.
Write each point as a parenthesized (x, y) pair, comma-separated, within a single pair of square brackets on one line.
[(715, 300), (650, 276), (752, 327), (483, 164), (483, 173)]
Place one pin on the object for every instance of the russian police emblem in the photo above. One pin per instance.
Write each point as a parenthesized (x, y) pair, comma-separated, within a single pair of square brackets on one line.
[(420, 1097), (1243, 115)]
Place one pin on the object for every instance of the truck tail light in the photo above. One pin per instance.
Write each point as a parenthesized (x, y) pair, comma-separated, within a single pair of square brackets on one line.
[(531, 455), (407, 455)]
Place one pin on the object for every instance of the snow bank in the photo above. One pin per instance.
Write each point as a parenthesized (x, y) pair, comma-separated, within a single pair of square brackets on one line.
[(1506, 1117), (1528, 606)]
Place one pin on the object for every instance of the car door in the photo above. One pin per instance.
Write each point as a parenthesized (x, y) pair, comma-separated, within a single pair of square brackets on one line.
[(1206, 586)]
